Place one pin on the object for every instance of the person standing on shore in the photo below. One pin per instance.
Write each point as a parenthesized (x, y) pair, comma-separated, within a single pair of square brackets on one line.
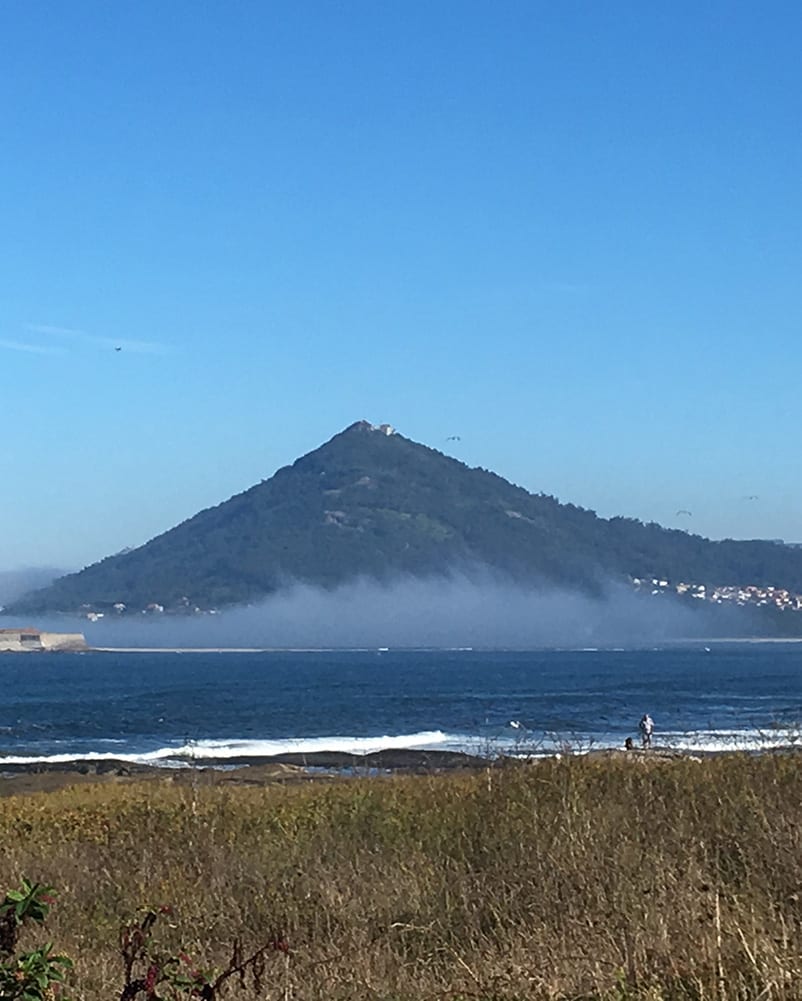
[(646, 727)]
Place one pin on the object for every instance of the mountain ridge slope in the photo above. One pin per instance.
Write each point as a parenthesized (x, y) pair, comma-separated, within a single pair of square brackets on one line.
[(370, 502)]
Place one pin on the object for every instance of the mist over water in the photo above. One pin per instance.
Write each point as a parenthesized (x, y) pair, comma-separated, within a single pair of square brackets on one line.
[(479, 611), (15, 583)]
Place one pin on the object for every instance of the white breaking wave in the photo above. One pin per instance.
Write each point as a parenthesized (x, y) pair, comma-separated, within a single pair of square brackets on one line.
[(731, 740), (517, 743), (221, 749), (428, 739), (719, 741)]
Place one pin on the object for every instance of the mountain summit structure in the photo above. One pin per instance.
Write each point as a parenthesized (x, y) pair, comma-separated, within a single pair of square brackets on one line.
[(375, 504)]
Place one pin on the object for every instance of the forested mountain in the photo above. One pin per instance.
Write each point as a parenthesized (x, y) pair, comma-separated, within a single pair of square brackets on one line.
[(371, 502)]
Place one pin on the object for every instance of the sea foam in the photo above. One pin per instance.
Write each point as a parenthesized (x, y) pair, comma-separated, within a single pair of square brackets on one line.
[(202, 750)]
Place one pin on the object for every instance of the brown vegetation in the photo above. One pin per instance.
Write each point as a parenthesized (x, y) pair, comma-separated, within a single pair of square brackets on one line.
[(573, 878)]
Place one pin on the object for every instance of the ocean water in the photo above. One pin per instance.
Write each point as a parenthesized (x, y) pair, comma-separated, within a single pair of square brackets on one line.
[(166, 707)]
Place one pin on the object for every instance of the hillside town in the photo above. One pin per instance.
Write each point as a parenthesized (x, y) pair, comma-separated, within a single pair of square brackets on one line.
[(742, 595)]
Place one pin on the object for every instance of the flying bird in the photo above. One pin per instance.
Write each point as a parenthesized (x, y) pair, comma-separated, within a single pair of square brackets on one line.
[(453, 437), (683, 511), (118, 349), (751, 497)]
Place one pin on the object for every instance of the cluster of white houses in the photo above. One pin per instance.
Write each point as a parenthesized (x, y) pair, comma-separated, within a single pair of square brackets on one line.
[(750, 594)]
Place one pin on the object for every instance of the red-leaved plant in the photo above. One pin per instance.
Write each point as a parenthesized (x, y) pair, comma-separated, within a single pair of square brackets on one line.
[(157, 976)]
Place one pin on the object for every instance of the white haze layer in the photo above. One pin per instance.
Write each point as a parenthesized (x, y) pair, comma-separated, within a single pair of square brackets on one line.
[(479, 611), (15, 583)]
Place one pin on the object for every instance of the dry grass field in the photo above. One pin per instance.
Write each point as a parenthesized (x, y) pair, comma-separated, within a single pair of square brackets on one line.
[(578, 878)]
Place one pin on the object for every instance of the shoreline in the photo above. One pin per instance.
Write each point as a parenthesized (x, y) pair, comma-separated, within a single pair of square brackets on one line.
[(702, 643), (390, 759), (683, 642), (30, 777), (320, 766)]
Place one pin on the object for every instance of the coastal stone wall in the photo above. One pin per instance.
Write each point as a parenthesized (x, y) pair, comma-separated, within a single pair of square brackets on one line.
[(63, 641), (27, 640)]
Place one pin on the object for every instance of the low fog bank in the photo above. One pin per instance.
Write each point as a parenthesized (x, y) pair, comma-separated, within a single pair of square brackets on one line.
[(456, 611), (15, 583)]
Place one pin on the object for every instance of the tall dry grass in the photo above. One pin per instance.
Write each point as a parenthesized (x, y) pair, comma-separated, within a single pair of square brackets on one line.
[(575, 878)]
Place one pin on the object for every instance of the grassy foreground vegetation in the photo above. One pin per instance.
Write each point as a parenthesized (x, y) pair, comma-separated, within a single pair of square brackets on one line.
[(574, 878)]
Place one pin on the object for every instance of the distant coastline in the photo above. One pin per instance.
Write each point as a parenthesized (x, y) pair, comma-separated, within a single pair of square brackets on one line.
[(380, 651), (703, 641)]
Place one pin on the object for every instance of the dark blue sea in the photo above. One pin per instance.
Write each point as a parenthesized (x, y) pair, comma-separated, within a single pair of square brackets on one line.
[(165, 707)]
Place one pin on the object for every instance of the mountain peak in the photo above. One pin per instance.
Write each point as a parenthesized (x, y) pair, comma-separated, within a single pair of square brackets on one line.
[(363, 426), (372, 503)]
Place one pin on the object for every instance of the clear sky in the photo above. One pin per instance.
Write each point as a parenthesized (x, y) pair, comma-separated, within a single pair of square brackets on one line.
[(567, 232)]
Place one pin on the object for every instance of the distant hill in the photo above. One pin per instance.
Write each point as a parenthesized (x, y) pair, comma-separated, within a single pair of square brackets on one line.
[(15, 583), (371, 502)]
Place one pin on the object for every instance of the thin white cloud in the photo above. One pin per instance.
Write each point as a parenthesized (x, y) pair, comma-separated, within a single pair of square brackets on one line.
[(93, 340), (44, 328), (33, 349)]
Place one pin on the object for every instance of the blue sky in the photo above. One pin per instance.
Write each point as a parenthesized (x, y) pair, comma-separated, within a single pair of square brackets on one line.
[(567, 232)]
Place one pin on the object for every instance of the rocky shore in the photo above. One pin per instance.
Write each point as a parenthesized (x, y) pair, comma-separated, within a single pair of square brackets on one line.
[(19, 778), (16, 778)]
